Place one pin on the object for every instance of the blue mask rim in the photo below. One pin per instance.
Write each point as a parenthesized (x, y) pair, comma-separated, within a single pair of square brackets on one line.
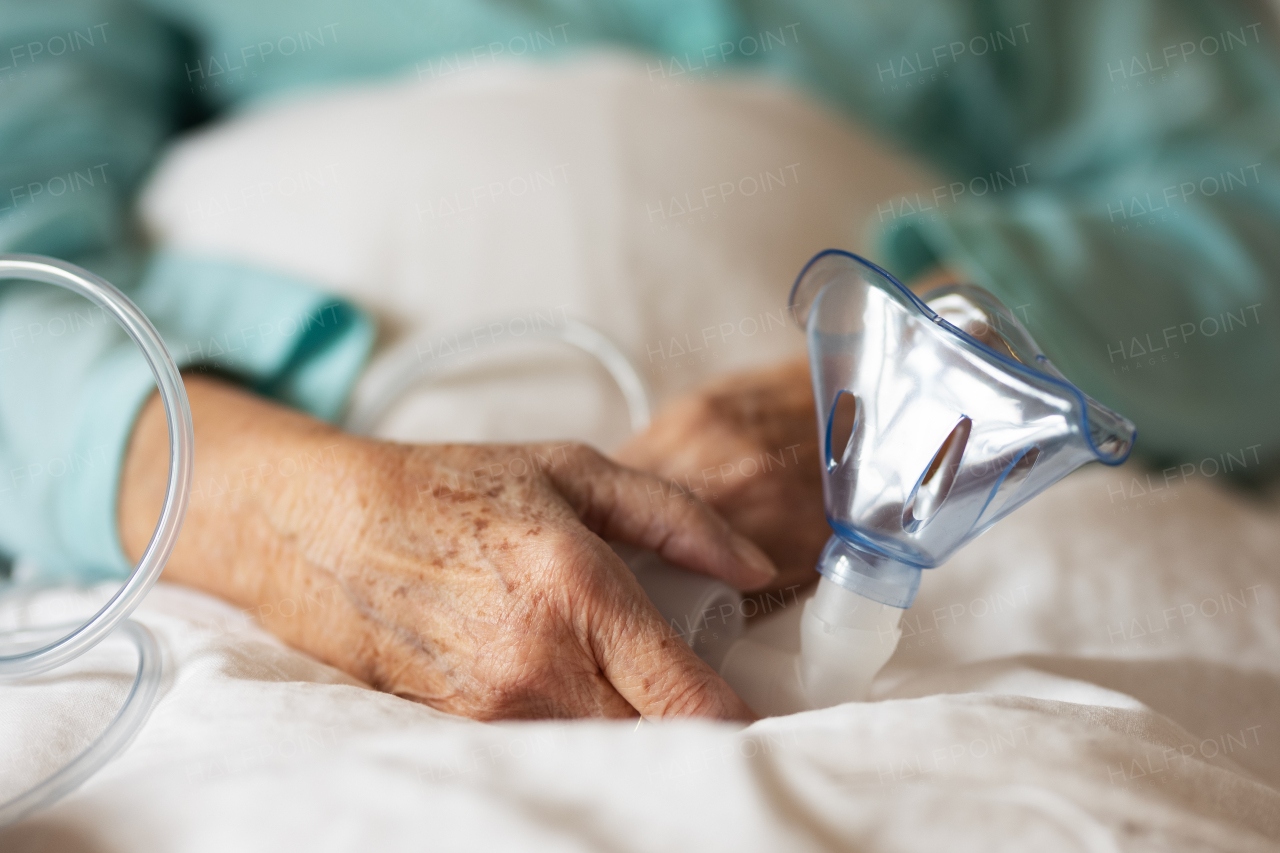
[(1015, 366)]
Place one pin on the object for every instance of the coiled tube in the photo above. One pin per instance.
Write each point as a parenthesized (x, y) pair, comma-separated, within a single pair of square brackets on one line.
[(63, 647)]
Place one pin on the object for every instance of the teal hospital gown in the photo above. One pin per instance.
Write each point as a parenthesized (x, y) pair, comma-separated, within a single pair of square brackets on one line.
[(1112, 174)]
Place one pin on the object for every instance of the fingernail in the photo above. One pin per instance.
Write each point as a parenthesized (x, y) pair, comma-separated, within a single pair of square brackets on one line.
[(750, 554)]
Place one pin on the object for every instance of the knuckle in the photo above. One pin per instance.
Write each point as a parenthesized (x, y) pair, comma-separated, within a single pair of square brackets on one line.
[(581, 454), (562, 548), (572, 465), (567, 566)]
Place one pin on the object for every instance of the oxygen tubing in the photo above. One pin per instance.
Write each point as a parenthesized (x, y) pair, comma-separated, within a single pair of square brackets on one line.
[(115, 613)]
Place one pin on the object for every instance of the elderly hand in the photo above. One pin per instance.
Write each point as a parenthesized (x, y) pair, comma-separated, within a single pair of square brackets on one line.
[(747, 445), (475, 579)]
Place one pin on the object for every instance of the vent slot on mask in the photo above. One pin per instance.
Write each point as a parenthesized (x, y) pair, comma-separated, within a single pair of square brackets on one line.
[(938, 478), (843, 418)]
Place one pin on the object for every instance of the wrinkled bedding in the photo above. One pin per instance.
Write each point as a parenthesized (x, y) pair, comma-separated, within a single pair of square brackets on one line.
[(1053, 691)]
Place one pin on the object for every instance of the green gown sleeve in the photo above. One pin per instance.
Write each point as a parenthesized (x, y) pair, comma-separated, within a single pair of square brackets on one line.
[(88, 99), (1113, 174)]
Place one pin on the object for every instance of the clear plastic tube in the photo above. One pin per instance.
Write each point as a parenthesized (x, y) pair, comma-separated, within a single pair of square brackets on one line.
[(402, 368), (79, 638), (115, 737), (181, 454)]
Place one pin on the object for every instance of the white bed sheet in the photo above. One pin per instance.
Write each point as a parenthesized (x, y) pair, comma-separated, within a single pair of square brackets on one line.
[(1054, 693), (1100, 672)]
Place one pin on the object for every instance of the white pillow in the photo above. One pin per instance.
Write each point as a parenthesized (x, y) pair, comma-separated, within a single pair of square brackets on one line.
[(672, 218)]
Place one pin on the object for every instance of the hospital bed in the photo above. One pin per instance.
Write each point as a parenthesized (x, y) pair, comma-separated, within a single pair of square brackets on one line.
[(1100, 672)]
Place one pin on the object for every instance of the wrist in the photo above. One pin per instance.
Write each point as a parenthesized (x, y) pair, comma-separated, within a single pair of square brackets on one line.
[(256, 465)]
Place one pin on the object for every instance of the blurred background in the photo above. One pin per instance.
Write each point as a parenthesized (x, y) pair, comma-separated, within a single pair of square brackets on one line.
[(306, 197), (662, 171)]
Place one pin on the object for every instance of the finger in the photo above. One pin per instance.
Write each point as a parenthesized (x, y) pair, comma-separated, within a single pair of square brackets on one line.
[(610, 704), (563, 686), (650, 665), (629, 506)]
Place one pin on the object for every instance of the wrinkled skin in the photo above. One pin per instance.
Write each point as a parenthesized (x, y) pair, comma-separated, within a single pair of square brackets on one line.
[(703, 441), (473, 578), (747, 445)]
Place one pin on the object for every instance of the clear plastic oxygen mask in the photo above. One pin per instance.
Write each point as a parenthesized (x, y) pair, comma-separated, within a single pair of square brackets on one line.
[(937, 418)]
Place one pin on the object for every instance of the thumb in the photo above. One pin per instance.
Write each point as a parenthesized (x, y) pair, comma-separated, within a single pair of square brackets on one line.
[(651, 665)]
